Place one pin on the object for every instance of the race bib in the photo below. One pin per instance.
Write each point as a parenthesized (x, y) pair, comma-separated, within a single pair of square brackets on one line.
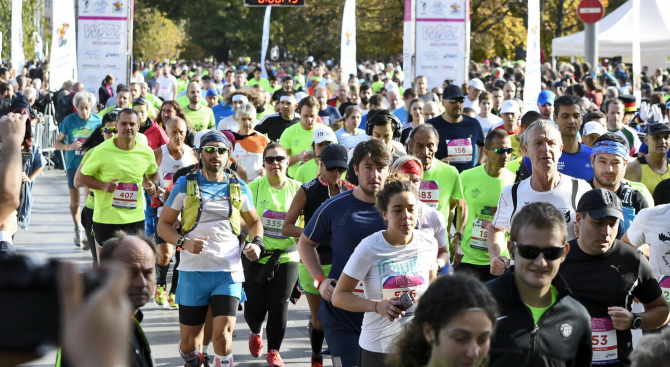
[(479, 233), (604, 341), (125, 196), (238, 276), (272, 223), (459, 150), (429, 193), (167, 179), (664, 282), (395, 286), (81, 136)]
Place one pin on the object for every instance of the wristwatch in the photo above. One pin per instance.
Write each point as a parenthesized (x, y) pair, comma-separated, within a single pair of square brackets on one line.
[(459, 234), (318, 280), (637, 322), (180, 242)]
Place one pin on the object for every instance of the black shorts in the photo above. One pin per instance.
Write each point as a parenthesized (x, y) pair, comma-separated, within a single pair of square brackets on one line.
[(102, 232)]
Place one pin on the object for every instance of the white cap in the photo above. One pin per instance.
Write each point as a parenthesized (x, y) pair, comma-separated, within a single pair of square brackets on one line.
[(509, 106), (478, 84), (322, 134), (198, 136), (391, 86), (218, 72), (300, 95), (593, 127)]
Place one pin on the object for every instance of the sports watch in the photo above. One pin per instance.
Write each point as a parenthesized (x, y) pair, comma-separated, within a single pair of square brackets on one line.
[(637, 322), (459, 235), (180, 242), (318, 280)]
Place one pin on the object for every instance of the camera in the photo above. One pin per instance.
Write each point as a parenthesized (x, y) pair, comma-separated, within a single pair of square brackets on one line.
[(30, 306)]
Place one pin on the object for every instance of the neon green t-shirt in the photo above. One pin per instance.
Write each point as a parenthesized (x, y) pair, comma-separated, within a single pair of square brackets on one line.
[(200, 119), (272, 206), (307, 171), (90, 200), (155, 101), (296, 139), (182, 85), (263, 82), (482, 193), (538, 312), (107, 162), (184, 101), (377, 86), (513, 166), (440, 183), (105, 111), (639, 186)]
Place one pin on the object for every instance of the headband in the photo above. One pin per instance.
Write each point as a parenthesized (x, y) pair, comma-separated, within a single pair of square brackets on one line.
[(214, 136), (609, 146), (411, 166), (240, 97), (288, 98)]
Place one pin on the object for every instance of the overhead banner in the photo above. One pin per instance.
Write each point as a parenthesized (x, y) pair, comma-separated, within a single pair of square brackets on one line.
[(441, 47), (63, 61), (533, 84), (266, 40), (103, 42), (636, 83), (348, 42), (18, 59), (408, 46)]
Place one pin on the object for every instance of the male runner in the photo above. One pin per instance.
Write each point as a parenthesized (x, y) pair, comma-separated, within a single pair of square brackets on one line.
[(274, 125), (654, 167)]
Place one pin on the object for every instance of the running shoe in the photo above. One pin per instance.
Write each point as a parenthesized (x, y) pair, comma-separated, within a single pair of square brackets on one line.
[(86, 244), (317, 362), (171, 300), (274, 359), (255, 344), (196, 362), (78, 235), (205, 361), (160, 298)]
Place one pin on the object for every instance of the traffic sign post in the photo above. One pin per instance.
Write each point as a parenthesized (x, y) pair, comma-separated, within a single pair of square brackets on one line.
[(590, 12)]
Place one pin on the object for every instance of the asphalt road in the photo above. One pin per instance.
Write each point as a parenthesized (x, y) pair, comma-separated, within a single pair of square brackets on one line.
[(50, 236)]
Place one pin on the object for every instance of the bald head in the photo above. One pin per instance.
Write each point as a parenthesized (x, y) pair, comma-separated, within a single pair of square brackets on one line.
[(509, 90), (430, 110)]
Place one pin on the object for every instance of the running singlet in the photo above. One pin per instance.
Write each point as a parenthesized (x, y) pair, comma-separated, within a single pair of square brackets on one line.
[(168, 168), (650, 178)]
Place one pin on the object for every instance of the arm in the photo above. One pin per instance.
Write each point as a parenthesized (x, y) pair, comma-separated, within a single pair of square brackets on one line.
[(93, 183), (495, 240), (304, 156), (344, 298), (12, 131), (481, 156), (289, 228), (174, 91), (60, 145), (310, 259), (633, 171), (644, 247), (253, 221), (442, 257), (461, 220), (166, 230), (654, 316)]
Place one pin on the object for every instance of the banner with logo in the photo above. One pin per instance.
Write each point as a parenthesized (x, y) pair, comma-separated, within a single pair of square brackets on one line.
[(266, 40), (103, 42), (408, 46), (348, 42), (533, 84), (18, 59), (440, 41), (63, 61)]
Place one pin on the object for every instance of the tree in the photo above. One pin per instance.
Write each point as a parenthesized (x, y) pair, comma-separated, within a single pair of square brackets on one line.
[(30, 25), (155, 36)]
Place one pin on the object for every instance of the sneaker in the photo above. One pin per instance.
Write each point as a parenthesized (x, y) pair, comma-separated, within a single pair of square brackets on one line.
[(196, 362), (255, 344), (86, 244), (78, 235), (317, 362), (274, 359), (160, 298), (205, 361), (172, 304)]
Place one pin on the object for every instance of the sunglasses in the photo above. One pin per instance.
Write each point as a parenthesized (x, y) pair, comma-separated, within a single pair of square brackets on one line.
[(532, 252), (141, 100), (456, 100), (210, 150), (271, 160), (109, 130), (339, 169), (502, 150)]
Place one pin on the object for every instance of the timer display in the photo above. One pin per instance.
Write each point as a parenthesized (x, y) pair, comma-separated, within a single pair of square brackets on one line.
[(274, 2)]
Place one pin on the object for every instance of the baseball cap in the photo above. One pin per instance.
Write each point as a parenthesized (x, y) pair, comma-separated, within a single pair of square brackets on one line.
[(212, 93), (593, 127), (662, 192), (478, 84), (322, 134), (509, 106), (452, 91), (391, 86), (657, 128), (600, 203), (218, 72), (334, 155), (546, 96)]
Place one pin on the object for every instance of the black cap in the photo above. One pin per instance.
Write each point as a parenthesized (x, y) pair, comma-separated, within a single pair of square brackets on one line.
[(657, 128), (452, 91), (662, 192), (600, 203), (20, 101), (334, 155)]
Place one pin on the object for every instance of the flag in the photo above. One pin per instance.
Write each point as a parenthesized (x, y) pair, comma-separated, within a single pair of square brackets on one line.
[(348, 42)]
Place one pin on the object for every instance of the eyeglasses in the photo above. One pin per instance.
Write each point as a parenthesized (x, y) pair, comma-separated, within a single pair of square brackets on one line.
[(339, 169), (502, 150), (532, 252), (456, 100), (109, 130), (271, 160), (220, 150), (139, 100)]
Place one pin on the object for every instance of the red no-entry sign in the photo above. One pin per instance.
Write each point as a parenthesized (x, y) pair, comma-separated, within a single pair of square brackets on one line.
[(590, 11)]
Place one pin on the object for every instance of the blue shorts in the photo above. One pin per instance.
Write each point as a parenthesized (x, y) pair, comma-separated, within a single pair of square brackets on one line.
[(342, 330), (70, 178), (195, 288)]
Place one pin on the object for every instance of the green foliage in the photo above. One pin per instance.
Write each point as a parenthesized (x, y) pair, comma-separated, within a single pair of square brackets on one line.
[(155, 36), (30, 25)]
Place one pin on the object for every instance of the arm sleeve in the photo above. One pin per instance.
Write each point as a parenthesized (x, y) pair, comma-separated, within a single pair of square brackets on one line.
[(92, 165), (480, 138), (177, 196), (285, 141), (38, 162), (636, 230), (358, 265), (648, 289), (247, 199), (502, 218), (440, 228), (318, 228), (457, 194), (151, 158)]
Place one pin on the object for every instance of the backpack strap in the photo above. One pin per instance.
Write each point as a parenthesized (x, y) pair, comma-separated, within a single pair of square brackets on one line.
[(575, 188), (235, 204), (515, 189), (193, 205)]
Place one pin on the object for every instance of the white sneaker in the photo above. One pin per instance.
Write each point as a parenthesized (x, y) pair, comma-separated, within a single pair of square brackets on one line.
[(78, 234)]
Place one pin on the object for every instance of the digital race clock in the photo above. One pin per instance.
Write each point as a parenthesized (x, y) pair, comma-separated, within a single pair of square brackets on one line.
[(274, 2)]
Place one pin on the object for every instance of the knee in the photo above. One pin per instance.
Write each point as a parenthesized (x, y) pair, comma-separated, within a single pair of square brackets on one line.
[(224, 338), (164, 255), (316, 324)]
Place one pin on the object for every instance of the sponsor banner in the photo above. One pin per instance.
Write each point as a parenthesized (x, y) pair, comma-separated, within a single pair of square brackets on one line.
[(348, 40), (18, 59), (63, 55), (103, 42), (533, 83), (266, 40), (408, 47)]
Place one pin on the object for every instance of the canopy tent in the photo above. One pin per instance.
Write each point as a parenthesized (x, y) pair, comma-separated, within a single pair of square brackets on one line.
[(615, 35)]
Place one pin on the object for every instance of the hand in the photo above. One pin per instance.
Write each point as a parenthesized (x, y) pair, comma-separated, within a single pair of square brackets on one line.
[(25, 178), (13, 128), (387, 309), (656, 115), (75, 146), (326, 290), (252, 251), (622, 319), (446, 160), (177, 224), (306, 155), (456, 251), (151, 190), (644, 111), (499, 264), (159, 191), (195, 245), (10, 224), (95, 330), (111, 185)]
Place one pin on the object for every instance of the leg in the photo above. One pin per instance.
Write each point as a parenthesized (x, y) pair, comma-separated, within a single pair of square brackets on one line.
[(87, 223), (224, 312), (256, 306), (316, 334), (194, 296), (149, 217), (209, 329), (279, 291), (163, 262), (175, 273)]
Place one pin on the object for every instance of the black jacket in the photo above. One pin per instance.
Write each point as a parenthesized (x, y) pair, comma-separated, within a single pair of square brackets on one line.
[(562, 336), (104, 95)]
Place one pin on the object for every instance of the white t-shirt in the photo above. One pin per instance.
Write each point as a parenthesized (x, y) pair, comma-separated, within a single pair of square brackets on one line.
[(560, 197), (228, 123), (652, 226), (432, 223), (166, 83), (472, 104), (388, 271), (489, 123)]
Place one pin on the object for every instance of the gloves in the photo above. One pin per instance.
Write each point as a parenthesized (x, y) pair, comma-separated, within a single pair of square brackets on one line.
[(644, 112), (656, 114)]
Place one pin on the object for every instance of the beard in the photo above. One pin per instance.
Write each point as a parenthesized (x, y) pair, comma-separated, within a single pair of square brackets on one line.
[(365, 100)]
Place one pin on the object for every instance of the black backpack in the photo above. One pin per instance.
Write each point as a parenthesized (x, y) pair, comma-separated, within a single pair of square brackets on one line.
[(64, 107)]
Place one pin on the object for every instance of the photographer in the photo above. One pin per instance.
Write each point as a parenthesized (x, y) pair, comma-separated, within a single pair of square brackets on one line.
[(12, 136)]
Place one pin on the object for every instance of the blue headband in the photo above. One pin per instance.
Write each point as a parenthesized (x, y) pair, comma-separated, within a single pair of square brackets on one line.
[(611, 147), (214, 136)]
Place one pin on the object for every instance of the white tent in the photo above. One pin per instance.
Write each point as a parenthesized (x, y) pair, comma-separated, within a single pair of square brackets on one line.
[(615, 35)]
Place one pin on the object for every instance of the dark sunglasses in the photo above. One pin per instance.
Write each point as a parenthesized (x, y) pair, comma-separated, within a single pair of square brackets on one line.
[(532, 252), (109, 130), (339, 169), (456, 100), (271, 160), (210, 150), (502, 150)]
